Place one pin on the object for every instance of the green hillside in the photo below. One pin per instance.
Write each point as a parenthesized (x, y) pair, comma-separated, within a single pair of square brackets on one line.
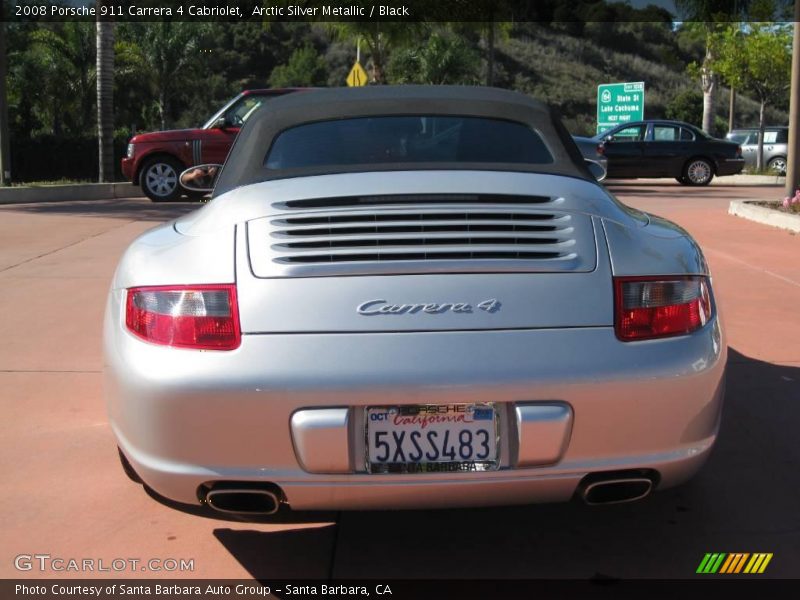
[(564, 70)]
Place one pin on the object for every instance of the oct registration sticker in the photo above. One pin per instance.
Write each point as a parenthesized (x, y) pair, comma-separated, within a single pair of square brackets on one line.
[(431, 438)]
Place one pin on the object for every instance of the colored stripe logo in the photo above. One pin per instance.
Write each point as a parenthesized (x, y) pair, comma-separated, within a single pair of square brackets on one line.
[(734, 563)]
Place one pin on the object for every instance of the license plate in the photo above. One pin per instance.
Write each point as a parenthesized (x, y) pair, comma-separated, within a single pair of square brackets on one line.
[(431, 438)]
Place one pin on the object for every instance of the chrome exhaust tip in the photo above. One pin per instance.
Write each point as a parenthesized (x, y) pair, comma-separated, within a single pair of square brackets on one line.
[(617, 491), (243, 501)]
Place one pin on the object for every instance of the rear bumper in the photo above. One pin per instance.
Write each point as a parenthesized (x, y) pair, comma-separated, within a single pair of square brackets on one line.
[(730, 166), (180, 482), (185, 418)]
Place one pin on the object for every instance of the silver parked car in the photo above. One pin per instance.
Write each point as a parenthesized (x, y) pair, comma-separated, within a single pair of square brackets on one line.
[(411, 297), (776, 144)]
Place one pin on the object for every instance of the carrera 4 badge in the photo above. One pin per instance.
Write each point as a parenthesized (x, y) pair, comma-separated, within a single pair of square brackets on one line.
[(382, 307)]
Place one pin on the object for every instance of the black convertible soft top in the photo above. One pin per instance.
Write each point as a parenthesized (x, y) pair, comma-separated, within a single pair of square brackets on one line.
[(246, 161)]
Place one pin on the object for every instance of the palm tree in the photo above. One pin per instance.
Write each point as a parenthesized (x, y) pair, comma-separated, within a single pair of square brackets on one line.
[(491, 32), (709, 15), (164, 54), (444, 59), (66, 58), (380, 37), (105, 97)]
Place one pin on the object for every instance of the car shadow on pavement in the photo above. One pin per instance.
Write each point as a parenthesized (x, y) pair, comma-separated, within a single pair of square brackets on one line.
[(743, 500), (303, 553), (138, 209), (638, 191)]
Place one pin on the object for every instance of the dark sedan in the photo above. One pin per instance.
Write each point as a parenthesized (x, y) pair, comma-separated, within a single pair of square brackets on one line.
[(647, 149), (590, 148)]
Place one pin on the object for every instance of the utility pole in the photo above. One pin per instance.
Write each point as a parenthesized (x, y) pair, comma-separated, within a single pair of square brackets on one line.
[(793, 160), (5, 151)]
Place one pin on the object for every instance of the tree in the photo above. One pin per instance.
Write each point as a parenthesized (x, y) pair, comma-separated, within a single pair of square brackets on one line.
[(491, 32), (165, 54), (380, 37), (709, 16), (444, 59), (728, 37), (105, 98), (488, 18), (305, 68), (686, 106), (758, 60), (59, 65)]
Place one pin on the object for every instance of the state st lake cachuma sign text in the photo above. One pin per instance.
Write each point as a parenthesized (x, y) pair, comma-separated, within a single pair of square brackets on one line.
[(619, 103)]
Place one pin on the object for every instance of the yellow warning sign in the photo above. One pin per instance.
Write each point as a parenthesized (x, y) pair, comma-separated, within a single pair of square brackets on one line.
[(357, 76)]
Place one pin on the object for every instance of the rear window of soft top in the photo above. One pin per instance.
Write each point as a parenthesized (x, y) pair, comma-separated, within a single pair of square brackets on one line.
[(406, 139)]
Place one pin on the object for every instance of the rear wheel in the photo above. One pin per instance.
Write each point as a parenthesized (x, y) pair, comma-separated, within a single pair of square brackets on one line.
[(698, 171), (159, 179), (778, 165)]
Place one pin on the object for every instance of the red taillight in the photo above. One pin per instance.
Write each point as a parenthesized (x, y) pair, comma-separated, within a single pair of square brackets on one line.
[(203, 317), (654, 307), (738, 152), (601, 149)]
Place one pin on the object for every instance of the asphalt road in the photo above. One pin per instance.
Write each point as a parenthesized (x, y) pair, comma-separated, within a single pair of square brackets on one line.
[(65, 495)]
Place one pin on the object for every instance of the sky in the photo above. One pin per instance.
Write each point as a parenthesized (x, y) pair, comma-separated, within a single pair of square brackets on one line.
[(666, 4)]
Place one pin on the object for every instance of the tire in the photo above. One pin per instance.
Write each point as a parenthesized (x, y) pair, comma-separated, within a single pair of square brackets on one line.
[(682, 180), (159, 179), (698, 171), (126, 466), (777, 164)]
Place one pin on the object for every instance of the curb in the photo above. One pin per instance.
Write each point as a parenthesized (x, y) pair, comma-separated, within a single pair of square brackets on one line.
[(65, 193), (724, 180), (766, 216)]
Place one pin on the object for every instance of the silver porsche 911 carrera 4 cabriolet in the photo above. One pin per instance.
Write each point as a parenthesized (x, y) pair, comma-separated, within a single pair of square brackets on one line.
[(411, 297)]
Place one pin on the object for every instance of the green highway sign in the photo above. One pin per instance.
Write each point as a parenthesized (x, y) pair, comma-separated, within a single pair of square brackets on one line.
[(619, 103)]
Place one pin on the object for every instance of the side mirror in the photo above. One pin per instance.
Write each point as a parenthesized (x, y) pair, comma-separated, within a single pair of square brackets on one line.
[(221, 123), (201, 178), (596, 169), (608, 138)]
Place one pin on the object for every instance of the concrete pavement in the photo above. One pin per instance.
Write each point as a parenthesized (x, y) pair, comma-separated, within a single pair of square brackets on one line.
[(65, 494)]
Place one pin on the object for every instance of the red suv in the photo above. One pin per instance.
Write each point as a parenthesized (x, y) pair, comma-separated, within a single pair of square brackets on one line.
[(155, 160)]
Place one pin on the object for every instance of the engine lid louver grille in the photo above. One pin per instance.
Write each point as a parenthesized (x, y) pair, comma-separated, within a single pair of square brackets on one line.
[(413, 199), (421, 239)]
